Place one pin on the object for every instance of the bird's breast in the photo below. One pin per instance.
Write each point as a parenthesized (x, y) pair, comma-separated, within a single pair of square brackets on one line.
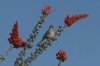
[(51, 35)]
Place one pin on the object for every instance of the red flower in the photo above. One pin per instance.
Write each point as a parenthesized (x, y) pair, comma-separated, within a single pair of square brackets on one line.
[(46, 10), (14, 39), (69, 20), (61, 55)]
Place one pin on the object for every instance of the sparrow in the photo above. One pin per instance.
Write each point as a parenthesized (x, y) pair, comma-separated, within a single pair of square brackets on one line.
[(49, 35)]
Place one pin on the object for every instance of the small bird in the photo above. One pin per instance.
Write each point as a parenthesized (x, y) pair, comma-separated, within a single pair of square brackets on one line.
[(49, 35)]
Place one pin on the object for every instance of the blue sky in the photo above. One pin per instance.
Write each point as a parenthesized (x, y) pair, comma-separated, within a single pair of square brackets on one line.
[(81, 41)]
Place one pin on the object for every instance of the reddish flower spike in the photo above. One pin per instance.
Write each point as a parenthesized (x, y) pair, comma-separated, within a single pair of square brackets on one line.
[(69, 20), (61, 55), (46, 10), (14, 37)]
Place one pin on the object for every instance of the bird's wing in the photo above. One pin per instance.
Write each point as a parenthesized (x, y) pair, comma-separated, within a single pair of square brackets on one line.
[(44, 37)]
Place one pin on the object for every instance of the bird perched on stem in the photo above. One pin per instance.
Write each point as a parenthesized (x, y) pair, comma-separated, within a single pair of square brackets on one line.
[(49, 35)]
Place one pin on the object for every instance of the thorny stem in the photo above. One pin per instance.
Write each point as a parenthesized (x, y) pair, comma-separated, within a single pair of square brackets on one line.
[(18, 59), (32, 37), (2, 58), (59, 63), (48, 43)]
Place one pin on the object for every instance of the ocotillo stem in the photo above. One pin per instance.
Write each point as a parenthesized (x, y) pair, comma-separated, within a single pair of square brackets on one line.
[(59, 63)]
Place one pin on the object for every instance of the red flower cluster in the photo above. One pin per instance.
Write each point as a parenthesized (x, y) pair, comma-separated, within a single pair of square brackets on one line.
[(69, 20), (61, 55), (46, 10), (14, 39)]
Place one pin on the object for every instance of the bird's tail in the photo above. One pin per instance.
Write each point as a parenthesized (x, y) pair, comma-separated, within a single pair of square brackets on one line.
[(39, 44)]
